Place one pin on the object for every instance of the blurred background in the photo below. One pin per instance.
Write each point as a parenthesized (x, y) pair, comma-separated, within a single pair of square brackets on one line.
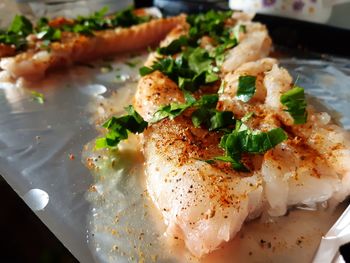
[(24, 238)]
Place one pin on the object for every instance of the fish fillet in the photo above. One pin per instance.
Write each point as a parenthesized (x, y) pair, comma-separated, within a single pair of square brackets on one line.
[(74, 48)]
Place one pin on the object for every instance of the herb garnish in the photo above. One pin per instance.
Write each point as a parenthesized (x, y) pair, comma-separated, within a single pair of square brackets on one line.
[(244, 140), (246, 88), (17, 32), (175, 109), (118, 128), (38, 97), (294, 100), (174, 47), (194, 66), (189, 70), (21, 27)]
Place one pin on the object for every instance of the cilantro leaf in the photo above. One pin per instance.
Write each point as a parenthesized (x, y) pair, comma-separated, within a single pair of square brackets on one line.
[(246, 88), (118, 128), (294, 100)]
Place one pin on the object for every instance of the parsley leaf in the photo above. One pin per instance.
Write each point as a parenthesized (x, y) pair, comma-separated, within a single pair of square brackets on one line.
[(126, 18), (118, 128), (235, 163), (211, 23), (20, 26), (17, 32), (247, 116), (212, 119), (170, 111), (294, 100), (38, 97), (246, 88), (190, 70), (174, 47), (175, 109), (243, 140)]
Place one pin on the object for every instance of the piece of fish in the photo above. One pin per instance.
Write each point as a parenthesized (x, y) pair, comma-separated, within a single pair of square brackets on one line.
[(202, 204), (75, 48), (313, 165)]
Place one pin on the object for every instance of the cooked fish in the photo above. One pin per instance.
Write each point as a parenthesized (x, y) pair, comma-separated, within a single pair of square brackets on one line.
[(312, 166), (74, 48)]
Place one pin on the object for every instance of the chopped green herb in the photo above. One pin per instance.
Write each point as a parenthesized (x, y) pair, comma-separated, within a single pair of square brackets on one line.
[(211, 23), (132, 64), (175, 109), (17, 32), (20, 26), (212, 119), (294, 100), (246, 88), (170, 111), (107, 68), (174, 47), (237, 30), (243, 140), (118, 128), (49, 33), (38, 97), (235, 163), (127, 18), (190, 70), (247, 116)]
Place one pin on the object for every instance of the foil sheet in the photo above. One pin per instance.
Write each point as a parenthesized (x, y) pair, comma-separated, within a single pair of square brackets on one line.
[(41, 144)]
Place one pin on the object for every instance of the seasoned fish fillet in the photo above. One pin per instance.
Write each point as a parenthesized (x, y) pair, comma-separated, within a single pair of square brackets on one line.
[(201, 204), (313, 165), (74, 48)]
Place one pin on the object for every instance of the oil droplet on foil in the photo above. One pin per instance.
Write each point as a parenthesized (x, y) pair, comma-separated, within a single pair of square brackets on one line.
[(36, 199), (94, 89)]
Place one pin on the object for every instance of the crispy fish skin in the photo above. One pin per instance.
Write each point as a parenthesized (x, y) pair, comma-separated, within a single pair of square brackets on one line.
[(75, 48)]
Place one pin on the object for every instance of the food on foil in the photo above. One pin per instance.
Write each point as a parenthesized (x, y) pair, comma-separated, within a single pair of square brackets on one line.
[(28, 51), (227, 136)]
